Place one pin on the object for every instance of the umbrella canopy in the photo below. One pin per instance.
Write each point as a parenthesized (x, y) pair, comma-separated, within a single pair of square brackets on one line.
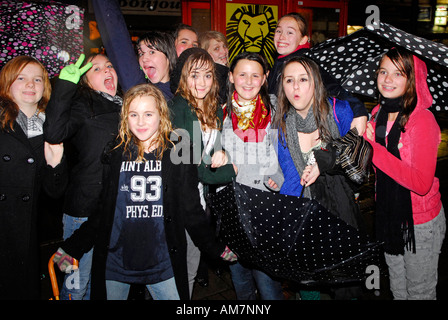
[(50, 32), (354, 59), (290, 237)]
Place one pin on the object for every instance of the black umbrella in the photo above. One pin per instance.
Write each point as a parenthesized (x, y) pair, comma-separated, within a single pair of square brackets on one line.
[(290, 237), (49, 31), (354, 59)]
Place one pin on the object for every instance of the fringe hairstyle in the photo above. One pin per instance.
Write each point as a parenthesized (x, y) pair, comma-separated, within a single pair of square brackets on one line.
[(321, 107), (301, 21), (264, 93), (159, 41), (198, 60), (9, 110), (404, 61), (127, 138)]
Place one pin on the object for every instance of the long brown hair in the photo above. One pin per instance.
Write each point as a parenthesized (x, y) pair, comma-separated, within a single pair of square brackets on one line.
[(321, 107), (128, 139), (9, 109), (404, 61), (198, 60)]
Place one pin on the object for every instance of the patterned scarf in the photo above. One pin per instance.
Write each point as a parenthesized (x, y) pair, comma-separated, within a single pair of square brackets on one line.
[(295, 123), (115, 99), (250, 119), (33, 126)]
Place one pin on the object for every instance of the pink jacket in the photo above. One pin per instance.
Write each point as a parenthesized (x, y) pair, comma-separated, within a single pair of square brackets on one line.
[(418, 151)]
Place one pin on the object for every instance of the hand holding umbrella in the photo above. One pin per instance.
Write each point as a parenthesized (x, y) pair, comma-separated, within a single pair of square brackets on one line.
[(73, 72)]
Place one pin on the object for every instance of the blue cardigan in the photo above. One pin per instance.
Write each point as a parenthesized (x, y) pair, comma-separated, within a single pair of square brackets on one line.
[(343, 116)]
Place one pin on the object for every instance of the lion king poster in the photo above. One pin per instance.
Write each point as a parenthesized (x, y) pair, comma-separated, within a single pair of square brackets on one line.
[(251, 27)]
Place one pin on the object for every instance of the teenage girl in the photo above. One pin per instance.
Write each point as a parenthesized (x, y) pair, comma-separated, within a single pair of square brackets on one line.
[(247, 137), (147, 203), (307, 122), (157, 58), (84, 112), (196, 110), (28, 164), (404, 134), (291, 39)]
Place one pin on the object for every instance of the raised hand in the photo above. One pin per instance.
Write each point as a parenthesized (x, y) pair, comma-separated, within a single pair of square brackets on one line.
[(73, 72)]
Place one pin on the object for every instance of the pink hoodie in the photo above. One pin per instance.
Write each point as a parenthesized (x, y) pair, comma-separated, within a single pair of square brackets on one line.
[(418, 151)]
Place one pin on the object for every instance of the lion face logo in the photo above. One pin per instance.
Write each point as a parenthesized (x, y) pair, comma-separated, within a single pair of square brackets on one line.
[(251, 28)]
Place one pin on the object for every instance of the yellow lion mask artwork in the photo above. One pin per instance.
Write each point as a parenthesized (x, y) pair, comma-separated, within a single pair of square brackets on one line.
[(251, 28)]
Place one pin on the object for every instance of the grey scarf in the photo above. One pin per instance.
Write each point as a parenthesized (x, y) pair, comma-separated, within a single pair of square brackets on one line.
[(295, 123)]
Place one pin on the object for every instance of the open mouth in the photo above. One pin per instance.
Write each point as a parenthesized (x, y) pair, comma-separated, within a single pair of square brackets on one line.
[(150, 71), (109, 83)]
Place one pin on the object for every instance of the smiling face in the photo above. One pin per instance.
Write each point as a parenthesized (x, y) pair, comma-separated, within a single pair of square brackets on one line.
[(298, 87), (200, 81), (102, 75), (248, 78), (287, 36), (391, 81), (144, 119), (185, 39), (219, 51), (27, 90), (154, 63)]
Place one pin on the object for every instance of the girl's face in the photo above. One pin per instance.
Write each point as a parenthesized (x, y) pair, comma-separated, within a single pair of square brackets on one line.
[(219, 51), (200, 81), (391, 82), (155, 64), (144, 119), (248, 78), (28, 88), (298, 87), (102, 75), (287, 36), (185, 39)]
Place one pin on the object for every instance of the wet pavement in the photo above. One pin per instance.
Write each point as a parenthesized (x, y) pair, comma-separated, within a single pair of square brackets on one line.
[(221, 288)]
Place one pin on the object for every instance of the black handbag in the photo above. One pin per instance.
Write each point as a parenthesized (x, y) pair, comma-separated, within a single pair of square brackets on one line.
[(353, 156)]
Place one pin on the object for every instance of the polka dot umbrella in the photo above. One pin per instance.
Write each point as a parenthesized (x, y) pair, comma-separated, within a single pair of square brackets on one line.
[(353, 59), (49, 31), (292, 238)]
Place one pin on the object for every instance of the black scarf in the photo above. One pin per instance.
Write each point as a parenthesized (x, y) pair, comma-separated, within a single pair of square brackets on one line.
[(395, 224)]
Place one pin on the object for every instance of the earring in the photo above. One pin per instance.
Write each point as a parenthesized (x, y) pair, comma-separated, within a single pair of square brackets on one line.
[(146, 77)]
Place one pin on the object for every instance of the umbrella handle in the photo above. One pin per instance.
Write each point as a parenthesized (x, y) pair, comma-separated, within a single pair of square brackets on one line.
[(301, 193), (54, 281)]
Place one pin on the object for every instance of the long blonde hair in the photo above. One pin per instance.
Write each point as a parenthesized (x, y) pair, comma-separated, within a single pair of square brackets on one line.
[(9, 109), (127, 138)]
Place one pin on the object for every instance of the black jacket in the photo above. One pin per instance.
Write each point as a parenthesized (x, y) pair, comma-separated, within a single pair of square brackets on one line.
[(182, 211), (85, 121), (23, 173)]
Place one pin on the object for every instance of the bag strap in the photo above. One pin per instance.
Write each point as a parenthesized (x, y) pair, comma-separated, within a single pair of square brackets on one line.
[(334, 109)]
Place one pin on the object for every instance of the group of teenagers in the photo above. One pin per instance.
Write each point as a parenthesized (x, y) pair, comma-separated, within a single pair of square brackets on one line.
[(135, 169)]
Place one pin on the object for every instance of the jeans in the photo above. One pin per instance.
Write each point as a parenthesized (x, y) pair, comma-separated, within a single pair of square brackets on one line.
[(164, 290), (246, 281), (193, 259), (413, 276), (76, 286)]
